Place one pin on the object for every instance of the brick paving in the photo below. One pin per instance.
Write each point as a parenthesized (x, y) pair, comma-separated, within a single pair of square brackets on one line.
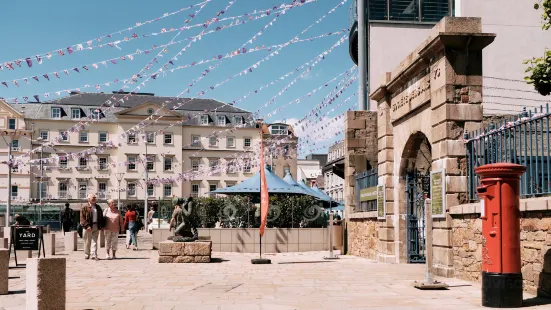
[(292, 281)]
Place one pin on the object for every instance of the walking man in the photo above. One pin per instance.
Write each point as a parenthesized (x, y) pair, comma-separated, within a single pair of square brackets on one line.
[(91, 219), (67, 218)]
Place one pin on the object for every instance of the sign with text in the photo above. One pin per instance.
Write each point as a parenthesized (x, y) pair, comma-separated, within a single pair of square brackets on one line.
[(26, 238), (381, 203), (413, 95), (438, 193), (368, 194)]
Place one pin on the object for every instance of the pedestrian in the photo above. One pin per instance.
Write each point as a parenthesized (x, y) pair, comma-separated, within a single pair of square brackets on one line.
[(20, 220), (113, 224), (131, 221), (67, 218), (150, 215), (91, 220)]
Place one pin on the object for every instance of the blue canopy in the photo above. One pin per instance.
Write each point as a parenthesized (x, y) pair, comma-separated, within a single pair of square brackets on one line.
[(312, 191), (321, 193), (307, 190), (276, 185)]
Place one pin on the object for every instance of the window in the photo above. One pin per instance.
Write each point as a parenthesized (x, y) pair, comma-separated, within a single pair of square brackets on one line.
[(150, 163), (44, 135), (221, 120), (230, 142), (230, 184), (168, 138), (195, 140), (287, 169), (62, 190), (102, 136), (11, 123), (204, 119), (195, 190), (247, 142), (15, 168), (132, 138), (102, 190), (167, 164), (14, 191), (150, 137), (212, 187), (150, 190), (247, 167), (213, 163), (167, 190), (213, 141), (83, 162), (238, 120), (195, 164), (94, 113), (279, 130), (75, 113), (434, 10), (102, 163), (230, 166), (82, 190), (83, 137), (63, 162), (131, 162), (131, 190), (64, 135), (56, 112), (149, 111), (15, 145)]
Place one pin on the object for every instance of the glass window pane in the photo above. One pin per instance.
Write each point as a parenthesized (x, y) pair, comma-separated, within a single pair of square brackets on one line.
[(377, 10), (434, 10), (404, 10)]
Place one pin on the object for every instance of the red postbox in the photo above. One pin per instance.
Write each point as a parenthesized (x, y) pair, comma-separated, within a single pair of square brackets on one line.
[(499, 210)]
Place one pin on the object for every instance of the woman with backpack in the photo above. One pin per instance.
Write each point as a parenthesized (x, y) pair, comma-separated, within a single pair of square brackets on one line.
[(131, 221)]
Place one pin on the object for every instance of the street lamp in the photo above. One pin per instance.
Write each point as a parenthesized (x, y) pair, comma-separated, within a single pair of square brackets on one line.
[(119, 176), (41, 169), (146, 183)]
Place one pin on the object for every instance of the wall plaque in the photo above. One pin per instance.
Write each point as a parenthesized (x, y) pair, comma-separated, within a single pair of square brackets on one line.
[(368, 194), (381, 203), (438, 193)]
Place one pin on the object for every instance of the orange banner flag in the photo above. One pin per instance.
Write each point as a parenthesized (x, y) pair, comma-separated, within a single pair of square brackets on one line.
[(264, 197)]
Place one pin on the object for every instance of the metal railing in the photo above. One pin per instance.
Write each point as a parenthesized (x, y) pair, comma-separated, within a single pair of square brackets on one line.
[(62, 194), (366, 180), (524, 139)]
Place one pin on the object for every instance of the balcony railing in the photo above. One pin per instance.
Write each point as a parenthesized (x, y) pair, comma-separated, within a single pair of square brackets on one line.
[(62, 194), (82, 194)]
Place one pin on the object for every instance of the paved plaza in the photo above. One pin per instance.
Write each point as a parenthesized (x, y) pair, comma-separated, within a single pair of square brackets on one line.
[(292, 281)]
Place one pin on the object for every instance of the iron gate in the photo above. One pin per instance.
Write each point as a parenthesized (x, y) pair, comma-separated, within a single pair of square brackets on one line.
[(417, 190)]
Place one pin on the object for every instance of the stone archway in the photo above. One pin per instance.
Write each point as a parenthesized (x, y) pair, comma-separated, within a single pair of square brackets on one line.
[(414, 186)]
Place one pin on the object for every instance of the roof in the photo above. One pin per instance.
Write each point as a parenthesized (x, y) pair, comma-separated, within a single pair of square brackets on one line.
[(86, 101)]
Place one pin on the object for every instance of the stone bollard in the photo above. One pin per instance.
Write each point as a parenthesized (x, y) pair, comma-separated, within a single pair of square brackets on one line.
[(47, 229), (29, 254), (101, 239), (70, 240), (1, 232), (4, 244), (4, 270), (46, 283), (49, 244)]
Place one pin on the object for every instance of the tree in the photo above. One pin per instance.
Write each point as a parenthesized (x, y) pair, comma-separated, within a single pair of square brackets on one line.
[(539, 69)]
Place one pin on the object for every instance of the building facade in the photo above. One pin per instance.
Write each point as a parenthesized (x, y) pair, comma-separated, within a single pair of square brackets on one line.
[(333, 175), (146, 146), (308, 171)]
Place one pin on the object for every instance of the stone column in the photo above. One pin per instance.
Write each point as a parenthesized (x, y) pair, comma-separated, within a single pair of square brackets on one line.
[(70, 240), (49, 244), (46, 283), (4, 271), (4, 243), (101, 239), (47, 229)]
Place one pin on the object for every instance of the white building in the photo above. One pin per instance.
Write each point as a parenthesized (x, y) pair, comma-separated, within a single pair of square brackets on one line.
[(308, 171), (333, 172)]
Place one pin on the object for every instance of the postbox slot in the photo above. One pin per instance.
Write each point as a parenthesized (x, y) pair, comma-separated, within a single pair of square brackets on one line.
[(481, 190)]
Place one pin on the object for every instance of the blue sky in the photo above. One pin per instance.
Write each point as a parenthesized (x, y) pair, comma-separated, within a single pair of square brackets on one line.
[(36, 27)]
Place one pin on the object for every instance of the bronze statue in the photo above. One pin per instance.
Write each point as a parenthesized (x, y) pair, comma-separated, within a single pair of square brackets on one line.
[(186, 229)]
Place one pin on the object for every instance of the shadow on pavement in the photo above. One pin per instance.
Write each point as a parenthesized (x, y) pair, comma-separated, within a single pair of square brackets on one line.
[(126, 258), (308, 262), (17, 292), (218, 260), (536, 301), (10, 278)]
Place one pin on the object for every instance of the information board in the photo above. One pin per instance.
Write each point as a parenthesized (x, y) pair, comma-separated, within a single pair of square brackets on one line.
[(381, 203), (438, 193), (27, 238), (368, 194)]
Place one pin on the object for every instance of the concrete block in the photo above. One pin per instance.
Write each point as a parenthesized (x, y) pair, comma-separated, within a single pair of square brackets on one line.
[(215, 235), (317, 236), (442, 237), (70, 241), (355, 124), (355, 143), (442, 255), (198, 248), (226, 247), (4, 243), (456, 184), (457, 112), (445, 131), (46, 283), (536, 204), (49, 244), (386, 155), (386, 142), (226, 236), (166, 259), (450, 164), (449, 148), (4, 271), (292, 247), (101, 238), (386, 234), (201, 259)]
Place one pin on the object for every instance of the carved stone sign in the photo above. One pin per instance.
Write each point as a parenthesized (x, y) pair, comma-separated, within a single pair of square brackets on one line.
[(416, 93)]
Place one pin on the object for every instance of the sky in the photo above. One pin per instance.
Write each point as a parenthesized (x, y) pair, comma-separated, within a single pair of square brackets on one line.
[(35, 27)]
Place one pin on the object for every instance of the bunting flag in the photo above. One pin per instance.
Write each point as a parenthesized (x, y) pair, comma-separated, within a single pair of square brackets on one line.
[(264, 195)]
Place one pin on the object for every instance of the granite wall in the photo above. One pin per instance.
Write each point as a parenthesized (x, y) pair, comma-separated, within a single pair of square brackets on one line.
[(363, 237)]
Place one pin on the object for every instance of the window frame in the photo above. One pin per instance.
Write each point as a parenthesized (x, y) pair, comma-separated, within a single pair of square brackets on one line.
[(52, 114), (168, 134), (195, 143), (63, 163), (106, 164), (148, 135), (80, 184), (282, 130), (220, 118), (80, 161), (80, 137), (165, 163), (14, 123), (132, 138), (245, 141), (73, 110), (193, 167), (165, 187), (134, 185), (16, 187), (59, 190), (64, 135), (150, 160), (213, 160), (132, 160), (203, 118), (104, 191), (47, 134), (152, 187), (193, 192), (213, 139), (228, 142), (238, 119), (106, 136)]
